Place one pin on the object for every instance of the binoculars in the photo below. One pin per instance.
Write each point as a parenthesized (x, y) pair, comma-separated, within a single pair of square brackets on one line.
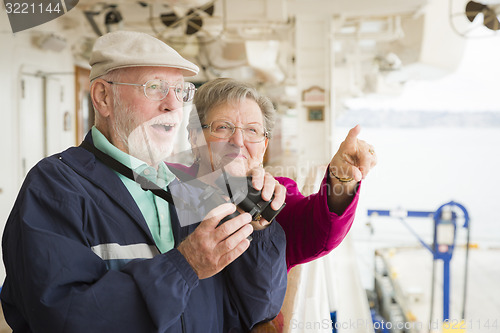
[(239, 190)]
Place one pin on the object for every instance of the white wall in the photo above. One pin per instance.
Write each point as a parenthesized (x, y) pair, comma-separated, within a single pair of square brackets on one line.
[(9, 173), (18, 56), (313, 69)]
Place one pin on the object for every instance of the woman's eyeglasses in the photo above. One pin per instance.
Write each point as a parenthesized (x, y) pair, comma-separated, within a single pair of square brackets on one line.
[(224, 129)]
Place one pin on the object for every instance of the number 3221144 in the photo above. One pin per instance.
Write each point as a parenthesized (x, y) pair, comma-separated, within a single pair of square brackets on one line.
[(31, 8)]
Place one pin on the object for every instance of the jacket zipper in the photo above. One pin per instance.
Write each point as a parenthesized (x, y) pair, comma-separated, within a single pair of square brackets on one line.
[(183, 325)]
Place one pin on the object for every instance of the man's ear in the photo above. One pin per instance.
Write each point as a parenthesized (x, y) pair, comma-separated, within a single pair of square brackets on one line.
[(100, 93)]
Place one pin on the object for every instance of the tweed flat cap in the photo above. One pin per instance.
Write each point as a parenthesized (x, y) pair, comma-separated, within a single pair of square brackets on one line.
[(121, 49)]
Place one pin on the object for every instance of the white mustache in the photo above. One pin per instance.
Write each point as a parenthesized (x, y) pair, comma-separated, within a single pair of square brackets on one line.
[(166, 120)]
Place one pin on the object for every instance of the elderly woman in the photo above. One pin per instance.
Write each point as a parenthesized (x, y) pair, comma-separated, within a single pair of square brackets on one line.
[(230, 128)]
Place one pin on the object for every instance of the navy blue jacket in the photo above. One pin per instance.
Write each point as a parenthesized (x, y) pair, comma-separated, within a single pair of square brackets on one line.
[(79, 257)]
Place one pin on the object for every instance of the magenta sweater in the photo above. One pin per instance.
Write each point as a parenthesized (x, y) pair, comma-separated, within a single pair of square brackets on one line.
[(312, 231)]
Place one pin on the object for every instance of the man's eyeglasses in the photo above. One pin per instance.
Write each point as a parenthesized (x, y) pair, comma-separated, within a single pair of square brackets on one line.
[(157, 90), (223, 129)]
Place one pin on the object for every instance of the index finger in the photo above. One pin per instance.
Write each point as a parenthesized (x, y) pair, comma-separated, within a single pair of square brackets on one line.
[(257, 175), (218, 213), (279, 196), (352, 136)]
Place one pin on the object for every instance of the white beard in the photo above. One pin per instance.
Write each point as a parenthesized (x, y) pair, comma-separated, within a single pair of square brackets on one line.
[(143, 141)]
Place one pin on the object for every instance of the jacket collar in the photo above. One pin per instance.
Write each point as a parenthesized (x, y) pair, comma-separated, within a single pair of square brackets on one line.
[(86, 165)]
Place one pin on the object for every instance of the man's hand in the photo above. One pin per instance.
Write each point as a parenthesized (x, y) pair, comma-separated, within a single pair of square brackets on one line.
[(210, 248), (354, 159), (262, 180)]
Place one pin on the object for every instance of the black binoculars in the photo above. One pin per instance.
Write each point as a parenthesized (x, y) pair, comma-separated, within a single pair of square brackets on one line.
[(239, 190)]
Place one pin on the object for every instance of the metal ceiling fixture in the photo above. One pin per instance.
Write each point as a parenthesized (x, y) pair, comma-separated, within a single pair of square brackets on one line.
[(475, 19), (177, 24), (112, 18)]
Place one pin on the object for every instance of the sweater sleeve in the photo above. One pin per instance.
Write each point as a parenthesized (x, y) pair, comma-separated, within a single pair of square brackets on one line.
[(312, 231)]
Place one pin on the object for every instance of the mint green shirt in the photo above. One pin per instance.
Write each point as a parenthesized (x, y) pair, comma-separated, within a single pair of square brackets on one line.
[(154, 209)]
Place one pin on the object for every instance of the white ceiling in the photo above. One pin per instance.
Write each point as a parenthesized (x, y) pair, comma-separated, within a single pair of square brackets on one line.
[(244, 11), (220, 43)]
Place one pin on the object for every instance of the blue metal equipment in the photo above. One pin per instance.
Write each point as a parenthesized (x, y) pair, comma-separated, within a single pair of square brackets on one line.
[(445, 226)]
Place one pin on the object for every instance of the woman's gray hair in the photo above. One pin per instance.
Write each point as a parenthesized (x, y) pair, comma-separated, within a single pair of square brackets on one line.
[(226, 90)]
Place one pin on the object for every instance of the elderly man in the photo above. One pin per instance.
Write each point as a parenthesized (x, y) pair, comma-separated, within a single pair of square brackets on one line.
[(88, 248)]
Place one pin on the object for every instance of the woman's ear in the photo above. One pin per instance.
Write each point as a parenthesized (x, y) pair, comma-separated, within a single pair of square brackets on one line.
[(100, 93), (193, 141), (193, 137)]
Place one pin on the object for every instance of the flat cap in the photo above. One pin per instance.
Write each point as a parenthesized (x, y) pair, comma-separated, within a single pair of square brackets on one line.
[(121, 49)]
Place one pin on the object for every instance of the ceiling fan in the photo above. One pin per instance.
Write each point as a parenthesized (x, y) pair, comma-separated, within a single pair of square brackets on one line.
[(491, 14), (178, 24), (476, 19), (191, 22)]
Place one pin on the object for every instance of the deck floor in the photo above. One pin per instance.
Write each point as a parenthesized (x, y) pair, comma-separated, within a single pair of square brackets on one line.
[(412, 268)]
